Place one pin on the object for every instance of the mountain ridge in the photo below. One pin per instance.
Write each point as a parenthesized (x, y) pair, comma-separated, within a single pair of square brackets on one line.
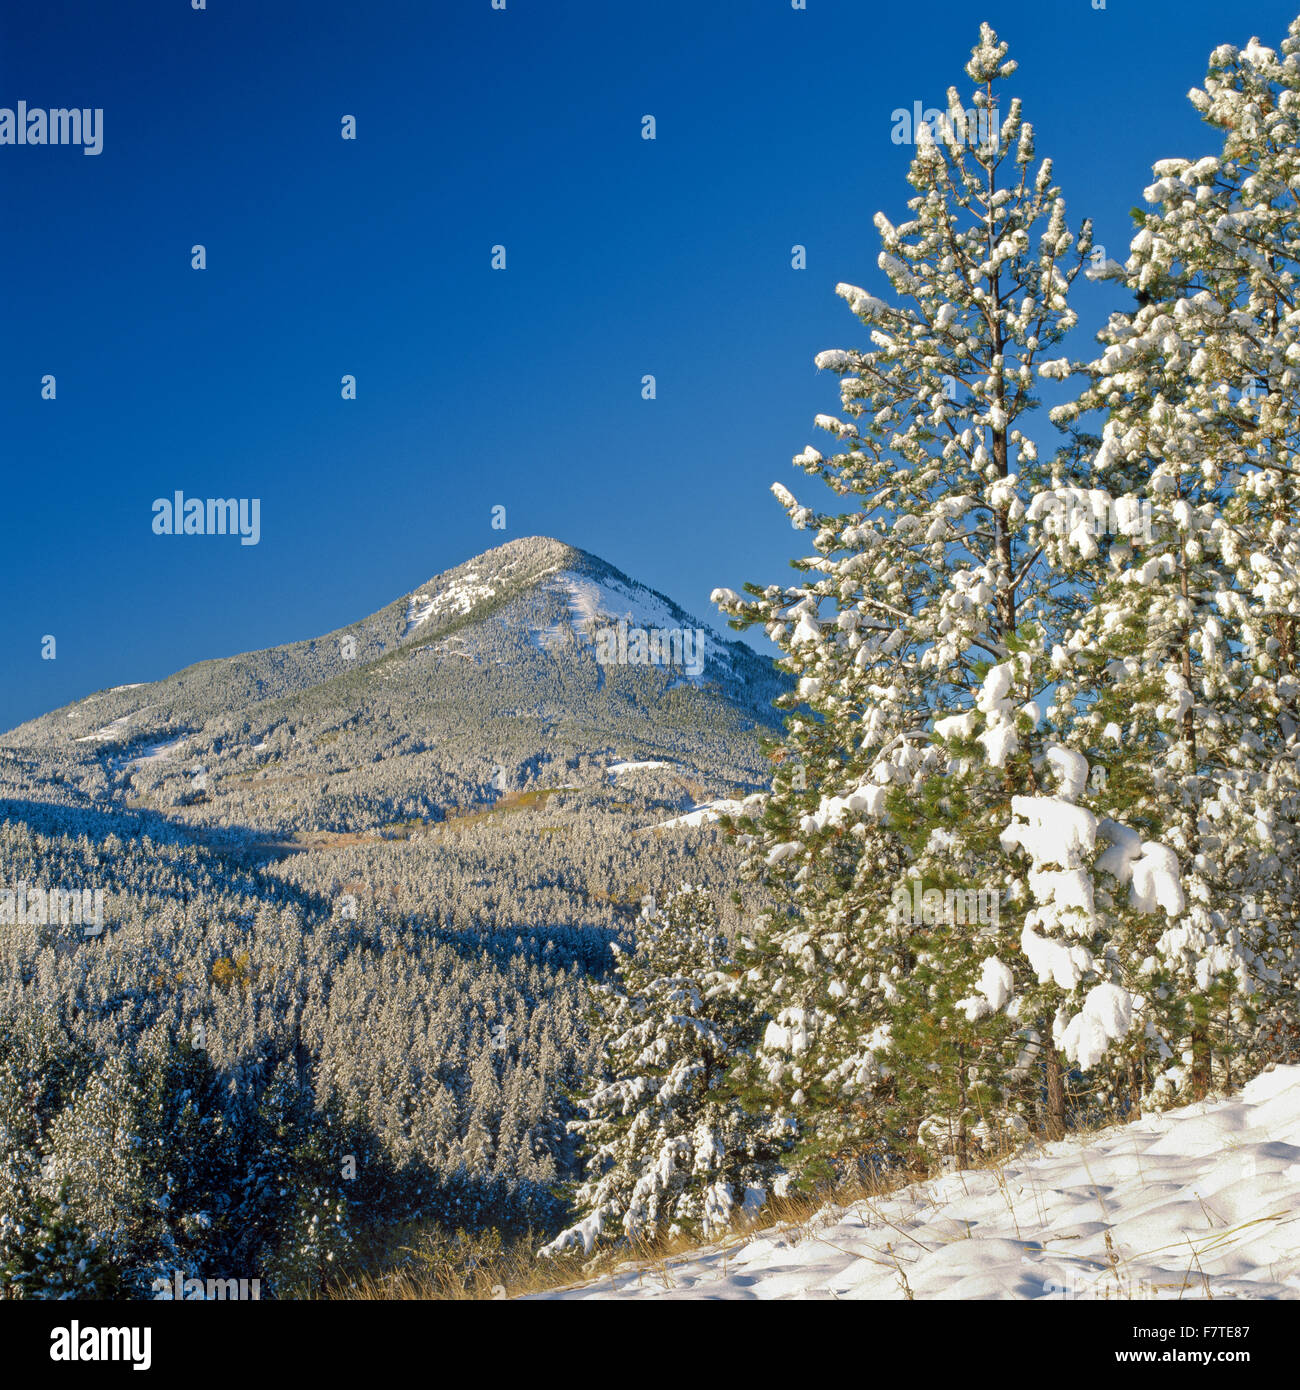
[(515, 567), (492, 677)]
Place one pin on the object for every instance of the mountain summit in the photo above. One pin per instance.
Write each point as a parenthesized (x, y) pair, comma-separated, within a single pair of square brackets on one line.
[(533, 655)]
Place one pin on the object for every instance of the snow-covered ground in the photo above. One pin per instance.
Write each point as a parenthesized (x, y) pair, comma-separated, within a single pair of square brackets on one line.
[(113, 730), (159, 752), (593, 603), (705, 812), (116, 729), (460, 596), (1199, 1202)]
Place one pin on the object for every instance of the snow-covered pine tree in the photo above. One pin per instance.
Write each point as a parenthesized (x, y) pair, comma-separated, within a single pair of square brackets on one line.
[(920, 636), (47, 1253), (46, 1250), (92, 1162), (293, 1179), (667, 1148), (1187, 657)]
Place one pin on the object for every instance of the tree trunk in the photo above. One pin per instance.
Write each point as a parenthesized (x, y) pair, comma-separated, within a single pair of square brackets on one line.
[(1055, 1096), (963, 1140), (1134, 1091), (1201, 1053)]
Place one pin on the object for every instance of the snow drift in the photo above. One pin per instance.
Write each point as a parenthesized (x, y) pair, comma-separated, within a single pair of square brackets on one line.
[(1199, 1202)]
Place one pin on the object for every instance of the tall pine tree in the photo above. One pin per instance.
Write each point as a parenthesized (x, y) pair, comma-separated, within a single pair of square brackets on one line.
[(920, 637)]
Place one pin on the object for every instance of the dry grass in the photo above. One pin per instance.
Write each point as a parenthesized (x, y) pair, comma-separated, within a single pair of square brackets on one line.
[(436, 1265)]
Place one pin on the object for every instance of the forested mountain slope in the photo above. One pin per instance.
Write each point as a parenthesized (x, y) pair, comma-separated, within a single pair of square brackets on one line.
[(350, 889)]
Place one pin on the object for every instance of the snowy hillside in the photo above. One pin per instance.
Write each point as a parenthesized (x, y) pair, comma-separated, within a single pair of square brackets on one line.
[(603, 596), (1198, 1202), (503, 608)]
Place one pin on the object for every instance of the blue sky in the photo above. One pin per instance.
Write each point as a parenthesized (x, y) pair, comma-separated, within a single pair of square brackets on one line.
[(371, 257)]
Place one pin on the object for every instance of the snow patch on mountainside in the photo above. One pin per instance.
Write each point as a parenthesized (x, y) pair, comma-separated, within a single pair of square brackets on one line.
[(595, 603), (705, 812), (1195, 1203), (459, 596), (115, 729), (159, 752)]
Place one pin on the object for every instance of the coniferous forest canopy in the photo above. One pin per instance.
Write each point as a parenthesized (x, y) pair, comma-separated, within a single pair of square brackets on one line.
[(530, 909)]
